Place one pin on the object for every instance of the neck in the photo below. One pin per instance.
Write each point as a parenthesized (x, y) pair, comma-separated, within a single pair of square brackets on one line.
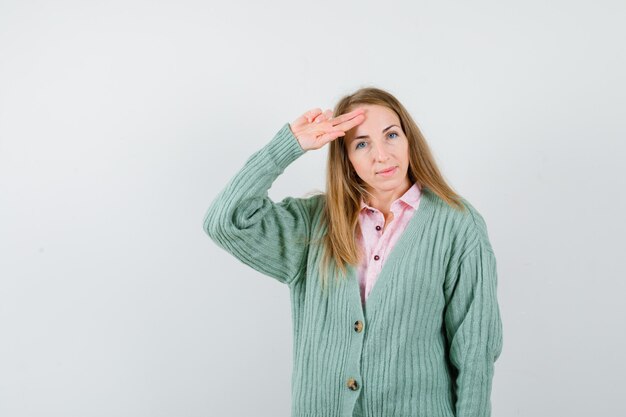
[(382, 200)]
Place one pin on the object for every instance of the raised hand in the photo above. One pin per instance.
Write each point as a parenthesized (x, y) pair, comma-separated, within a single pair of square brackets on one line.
[(315, 128)]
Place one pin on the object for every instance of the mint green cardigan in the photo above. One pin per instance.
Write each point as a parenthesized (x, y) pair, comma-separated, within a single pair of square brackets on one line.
[(424, 344)]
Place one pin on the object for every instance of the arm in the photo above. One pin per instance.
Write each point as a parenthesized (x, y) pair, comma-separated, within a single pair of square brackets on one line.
[(273, 237), (242, 219), (474, 329)]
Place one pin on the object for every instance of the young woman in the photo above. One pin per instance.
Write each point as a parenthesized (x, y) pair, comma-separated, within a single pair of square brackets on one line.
[(392, 276)]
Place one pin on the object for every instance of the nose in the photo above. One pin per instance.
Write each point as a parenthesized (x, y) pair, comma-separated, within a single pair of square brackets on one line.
[(380, 154)]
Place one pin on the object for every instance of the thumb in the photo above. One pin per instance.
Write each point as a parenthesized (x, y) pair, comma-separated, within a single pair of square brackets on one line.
[(312, 114), (324, 116)]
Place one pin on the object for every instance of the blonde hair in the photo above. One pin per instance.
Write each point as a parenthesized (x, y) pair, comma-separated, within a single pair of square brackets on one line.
[(344, 188)]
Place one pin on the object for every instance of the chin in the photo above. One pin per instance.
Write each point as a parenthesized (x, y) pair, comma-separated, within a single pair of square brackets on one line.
[(392, 182), (387, 185)]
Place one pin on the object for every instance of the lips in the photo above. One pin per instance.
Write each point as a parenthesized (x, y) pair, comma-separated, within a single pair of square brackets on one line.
[(386, 170)]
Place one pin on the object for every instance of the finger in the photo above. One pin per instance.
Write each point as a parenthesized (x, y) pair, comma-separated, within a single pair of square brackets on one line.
[(312, 114), (330, 136), (350, 123), (326, 127), (347, 116), (345, 122)]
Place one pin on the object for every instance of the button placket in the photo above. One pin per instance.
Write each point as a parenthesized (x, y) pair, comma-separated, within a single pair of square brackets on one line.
[(351, 382)]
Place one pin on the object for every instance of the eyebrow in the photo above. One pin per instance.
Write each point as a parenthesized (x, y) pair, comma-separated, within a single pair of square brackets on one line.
[(384, 130)]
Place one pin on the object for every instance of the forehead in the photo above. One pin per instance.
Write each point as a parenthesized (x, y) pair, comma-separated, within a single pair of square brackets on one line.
[(377, 118)]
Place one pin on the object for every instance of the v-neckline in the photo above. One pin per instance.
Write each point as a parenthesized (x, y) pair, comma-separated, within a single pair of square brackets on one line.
[(413, 228)]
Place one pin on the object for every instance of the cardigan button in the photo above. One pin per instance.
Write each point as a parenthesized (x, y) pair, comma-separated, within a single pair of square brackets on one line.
[(358, 326), (376, 257), (377, 227), (352, 384)]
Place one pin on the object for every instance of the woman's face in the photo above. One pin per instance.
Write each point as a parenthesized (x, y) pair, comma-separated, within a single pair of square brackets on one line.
[(378, 144)]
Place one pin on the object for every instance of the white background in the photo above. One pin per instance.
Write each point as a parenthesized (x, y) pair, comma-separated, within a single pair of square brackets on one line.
[(120, 121)]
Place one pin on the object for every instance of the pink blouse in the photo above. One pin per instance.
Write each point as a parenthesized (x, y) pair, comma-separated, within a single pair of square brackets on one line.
[(376, 240)]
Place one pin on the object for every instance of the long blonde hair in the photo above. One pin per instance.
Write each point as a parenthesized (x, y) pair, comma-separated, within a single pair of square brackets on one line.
[(344, 188)]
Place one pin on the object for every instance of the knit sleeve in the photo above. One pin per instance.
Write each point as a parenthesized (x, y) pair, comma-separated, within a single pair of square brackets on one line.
[(474, 330), (242, 219)]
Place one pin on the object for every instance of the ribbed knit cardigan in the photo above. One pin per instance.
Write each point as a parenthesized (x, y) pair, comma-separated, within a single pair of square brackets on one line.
[(425, 343)]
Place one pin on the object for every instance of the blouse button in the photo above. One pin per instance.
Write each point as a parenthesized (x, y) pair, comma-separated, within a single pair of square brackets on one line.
[(376, 257), (377, 227)]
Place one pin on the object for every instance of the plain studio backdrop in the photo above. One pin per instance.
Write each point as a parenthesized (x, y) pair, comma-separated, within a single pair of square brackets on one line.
[(121, 121)]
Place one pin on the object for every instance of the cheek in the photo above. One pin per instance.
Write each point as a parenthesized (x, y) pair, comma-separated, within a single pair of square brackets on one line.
[(359, 165), (405, 153), (357, 162)]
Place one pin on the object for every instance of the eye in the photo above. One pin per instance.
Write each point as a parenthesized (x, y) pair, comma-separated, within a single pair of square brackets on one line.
[(358, 144), (392, 133)]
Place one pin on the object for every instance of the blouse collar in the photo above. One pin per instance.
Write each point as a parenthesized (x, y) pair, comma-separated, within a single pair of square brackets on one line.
[(410, 197)]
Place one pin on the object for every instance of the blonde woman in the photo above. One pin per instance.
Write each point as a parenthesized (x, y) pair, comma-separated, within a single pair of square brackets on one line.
[(392, 276)]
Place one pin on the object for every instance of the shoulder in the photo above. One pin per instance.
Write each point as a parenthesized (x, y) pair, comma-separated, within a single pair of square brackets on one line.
[(476, 223), (311, 203), (466, 228), (314, 199)]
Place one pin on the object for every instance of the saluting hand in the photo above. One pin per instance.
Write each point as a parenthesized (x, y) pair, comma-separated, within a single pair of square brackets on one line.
[(315, 128)]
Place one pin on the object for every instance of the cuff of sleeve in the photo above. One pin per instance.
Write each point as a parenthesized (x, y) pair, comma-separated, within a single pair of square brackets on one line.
[(284, 148)]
